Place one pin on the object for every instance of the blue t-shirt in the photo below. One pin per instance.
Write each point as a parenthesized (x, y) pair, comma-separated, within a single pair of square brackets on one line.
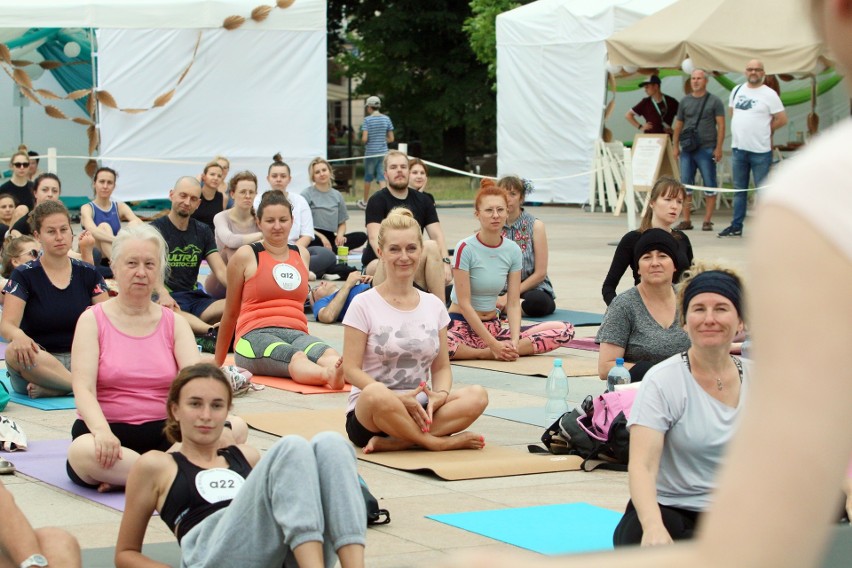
[(377, 127), (488, 267), (323, 302)]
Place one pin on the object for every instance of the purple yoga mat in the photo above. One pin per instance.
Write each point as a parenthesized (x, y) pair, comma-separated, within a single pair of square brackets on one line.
[(584, 343), (45, 460), (3, 345)]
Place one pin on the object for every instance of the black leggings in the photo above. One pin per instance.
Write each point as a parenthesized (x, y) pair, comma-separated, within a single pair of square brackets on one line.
[(353, 240), (537, 303), (680, 523)]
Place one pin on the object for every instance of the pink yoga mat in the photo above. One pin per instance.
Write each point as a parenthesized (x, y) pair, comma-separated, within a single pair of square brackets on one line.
[(584, 343), (45, 461)]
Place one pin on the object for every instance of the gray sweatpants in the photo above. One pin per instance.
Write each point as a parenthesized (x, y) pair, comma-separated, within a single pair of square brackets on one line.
[(299, 492)]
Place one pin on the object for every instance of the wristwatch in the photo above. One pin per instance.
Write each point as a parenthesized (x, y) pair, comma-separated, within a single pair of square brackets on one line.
[(34, 560)]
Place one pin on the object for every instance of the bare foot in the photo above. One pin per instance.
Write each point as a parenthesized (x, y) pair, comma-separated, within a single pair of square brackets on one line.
[(334, 375), (36, 391), (386, 444), (106, 487), (462, 441)]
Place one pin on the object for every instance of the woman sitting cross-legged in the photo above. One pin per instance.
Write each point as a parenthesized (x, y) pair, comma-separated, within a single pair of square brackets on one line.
[(265, 304), (484, 264), (395, 340), (641, 325), (126, 353), (301, 505), (684, 415), (44, 299)]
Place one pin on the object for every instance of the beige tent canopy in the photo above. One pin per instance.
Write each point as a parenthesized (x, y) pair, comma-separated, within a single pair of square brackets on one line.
[(722, 35)]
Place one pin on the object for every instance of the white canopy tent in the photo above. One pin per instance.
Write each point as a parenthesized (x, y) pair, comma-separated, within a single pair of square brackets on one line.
[(250, 92), (551, 81)]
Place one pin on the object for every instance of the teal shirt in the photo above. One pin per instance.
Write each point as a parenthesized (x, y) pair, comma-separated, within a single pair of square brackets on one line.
[(488, 267)]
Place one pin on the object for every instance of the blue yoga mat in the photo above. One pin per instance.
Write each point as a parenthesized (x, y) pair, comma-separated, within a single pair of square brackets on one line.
[(577, 319), (525, 415), (549, 529), (51, 403)]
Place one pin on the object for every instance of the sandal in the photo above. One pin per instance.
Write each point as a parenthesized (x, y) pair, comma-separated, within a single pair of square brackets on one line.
[(684, 226), (707, 226), (6, 467)]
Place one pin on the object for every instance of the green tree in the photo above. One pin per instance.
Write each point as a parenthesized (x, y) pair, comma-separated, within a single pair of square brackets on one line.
[(481, 28), (416, 56)]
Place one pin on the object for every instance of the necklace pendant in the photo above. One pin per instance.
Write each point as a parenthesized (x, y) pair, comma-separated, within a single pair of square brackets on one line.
[(718, 383)]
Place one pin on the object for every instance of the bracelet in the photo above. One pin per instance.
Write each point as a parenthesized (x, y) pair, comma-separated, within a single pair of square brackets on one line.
[(443, 391)]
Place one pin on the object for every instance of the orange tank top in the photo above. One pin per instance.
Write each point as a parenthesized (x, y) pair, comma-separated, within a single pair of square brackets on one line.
[(275, 296)]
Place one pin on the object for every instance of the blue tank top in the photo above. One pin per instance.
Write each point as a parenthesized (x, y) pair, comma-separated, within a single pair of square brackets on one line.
[(110, 216)]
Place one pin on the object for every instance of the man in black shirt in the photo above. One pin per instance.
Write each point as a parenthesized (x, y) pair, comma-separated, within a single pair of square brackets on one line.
[(190, 242), (398, 194)]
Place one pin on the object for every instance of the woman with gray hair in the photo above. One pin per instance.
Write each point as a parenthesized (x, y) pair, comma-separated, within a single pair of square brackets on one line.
[(126, 353)]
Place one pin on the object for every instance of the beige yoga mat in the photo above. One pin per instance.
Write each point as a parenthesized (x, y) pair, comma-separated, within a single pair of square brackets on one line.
[(492, 461), (538, 365)]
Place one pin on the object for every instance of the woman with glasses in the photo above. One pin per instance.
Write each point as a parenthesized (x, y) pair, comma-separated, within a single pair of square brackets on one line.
[(265, 306), (484, 264), (44, 299), (20, 187)]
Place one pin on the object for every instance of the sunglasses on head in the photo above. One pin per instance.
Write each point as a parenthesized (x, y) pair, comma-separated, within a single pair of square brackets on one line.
[(32, 253), (21, 164)]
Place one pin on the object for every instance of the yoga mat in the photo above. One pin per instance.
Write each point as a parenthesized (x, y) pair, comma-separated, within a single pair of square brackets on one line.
[(537, 365), (45, 461), (292, 386), (534, 415), (584, 344), (50, 403), (492, 461), (548, 529), (165, 552), (577, 319)]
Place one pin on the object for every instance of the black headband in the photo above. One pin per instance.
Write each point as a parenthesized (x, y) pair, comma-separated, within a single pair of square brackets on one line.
[(715, 282)]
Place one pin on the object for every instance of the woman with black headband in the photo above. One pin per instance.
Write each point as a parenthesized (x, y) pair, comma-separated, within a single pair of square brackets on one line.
[(685, 414), (641, 324)]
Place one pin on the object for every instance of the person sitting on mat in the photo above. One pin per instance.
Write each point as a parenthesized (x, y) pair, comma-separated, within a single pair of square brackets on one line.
[(395, 340), (44, 299), (102, 216), (537, 296), (329, 210), (664, 207), (16, 251), (641, 325), (484, 264), (685, 414), (301, 506), (22, 545), (125, 355), (265, 304)]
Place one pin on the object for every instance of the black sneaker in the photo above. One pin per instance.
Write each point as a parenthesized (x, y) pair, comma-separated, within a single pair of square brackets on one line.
[(731, 232)]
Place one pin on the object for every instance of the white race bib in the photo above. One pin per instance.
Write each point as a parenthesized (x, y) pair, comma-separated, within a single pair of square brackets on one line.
[(218, 484), (286, 276)]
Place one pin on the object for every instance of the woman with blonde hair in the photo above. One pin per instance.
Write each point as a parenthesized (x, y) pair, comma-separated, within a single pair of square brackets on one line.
[(329, 210), (395, 356), (664, 208)]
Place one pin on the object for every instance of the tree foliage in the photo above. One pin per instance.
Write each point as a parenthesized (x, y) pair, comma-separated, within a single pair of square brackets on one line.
[(481, 28), (417, 57)]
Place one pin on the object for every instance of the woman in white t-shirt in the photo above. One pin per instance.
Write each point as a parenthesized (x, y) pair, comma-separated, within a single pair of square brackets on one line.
[(395, 341), (685, 414)]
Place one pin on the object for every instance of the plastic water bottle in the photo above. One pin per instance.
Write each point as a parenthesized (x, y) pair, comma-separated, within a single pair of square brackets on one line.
[(342, 255), (618, 375), (556, 388)]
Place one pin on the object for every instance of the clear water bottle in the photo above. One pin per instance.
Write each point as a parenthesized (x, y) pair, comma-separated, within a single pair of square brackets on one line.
[(556, 388), (618, 375)]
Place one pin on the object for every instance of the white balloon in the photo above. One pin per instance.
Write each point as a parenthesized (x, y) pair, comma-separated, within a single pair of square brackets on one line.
[(35, 71), (71, 49), (687, 66), (612, 68), (629, 69)]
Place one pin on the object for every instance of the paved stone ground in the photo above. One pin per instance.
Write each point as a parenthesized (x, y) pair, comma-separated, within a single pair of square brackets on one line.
[(580, 252)]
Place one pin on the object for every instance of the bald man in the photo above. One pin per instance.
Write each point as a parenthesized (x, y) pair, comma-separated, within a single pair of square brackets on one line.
[(190, 242), (756, 112)]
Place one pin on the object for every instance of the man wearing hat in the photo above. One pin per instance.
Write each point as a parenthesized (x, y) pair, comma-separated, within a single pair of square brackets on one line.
[(657, 110), (376, 133)]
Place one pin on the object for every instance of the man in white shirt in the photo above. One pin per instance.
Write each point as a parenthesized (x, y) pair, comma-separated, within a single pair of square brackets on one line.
[(756, 112)]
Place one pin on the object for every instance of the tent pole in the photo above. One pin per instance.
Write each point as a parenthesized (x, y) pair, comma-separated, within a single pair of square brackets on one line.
[(96, 114)]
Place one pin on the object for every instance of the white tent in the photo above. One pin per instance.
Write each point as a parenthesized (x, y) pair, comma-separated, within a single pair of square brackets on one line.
[(250, 92), (551, 80)]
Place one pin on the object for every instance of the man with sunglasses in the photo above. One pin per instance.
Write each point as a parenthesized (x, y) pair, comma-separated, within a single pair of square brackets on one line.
[(756, 112)]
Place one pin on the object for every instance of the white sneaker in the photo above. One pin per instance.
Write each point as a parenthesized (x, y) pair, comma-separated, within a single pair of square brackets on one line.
[(361, 204), (331, 277)]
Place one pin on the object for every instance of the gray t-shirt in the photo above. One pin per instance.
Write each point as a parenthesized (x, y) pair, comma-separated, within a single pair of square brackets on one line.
[(688, 111), (629, 324), (327, 207), (697, 429)]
